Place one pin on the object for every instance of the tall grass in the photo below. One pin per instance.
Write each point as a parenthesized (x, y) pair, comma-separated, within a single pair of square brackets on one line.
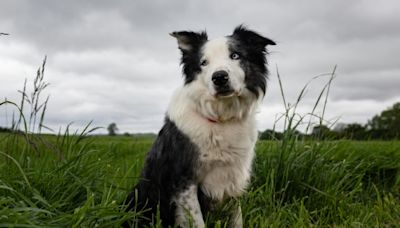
[(73, 179), (63, 180), (305, 182)]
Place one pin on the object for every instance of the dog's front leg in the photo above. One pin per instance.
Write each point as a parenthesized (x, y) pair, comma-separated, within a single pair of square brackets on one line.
[(188, 211), (236, 219)]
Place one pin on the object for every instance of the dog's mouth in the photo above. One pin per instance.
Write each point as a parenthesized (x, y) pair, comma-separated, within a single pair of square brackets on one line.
[(226, 93)]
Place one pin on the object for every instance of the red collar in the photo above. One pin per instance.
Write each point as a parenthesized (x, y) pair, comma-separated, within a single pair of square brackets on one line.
[(212, 120)]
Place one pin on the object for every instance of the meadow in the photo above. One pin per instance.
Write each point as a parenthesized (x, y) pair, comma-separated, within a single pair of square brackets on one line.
[(78, 180)]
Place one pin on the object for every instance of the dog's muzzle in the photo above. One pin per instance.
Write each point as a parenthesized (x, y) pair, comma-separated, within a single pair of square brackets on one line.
[(221, 83)]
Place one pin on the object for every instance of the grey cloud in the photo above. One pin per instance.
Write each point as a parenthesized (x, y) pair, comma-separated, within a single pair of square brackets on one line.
[(114, 61), (368, 85), (117, 65)]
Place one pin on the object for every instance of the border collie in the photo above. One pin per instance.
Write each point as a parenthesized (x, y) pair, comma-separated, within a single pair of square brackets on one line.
[(203, 153)]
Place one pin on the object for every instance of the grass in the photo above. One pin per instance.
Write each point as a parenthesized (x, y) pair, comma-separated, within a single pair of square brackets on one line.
[(78, 180), (327, 184), (79, 183)]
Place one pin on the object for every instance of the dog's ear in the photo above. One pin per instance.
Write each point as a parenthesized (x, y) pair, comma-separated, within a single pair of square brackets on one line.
[(188, 41), (251, 38)]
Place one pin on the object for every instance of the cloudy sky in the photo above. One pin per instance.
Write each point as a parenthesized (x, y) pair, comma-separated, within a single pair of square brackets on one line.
[(113, 61)]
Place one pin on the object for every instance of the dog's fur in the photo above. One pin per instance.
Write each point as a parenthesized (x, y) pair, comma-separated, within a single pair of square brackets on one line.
[(203, 153)]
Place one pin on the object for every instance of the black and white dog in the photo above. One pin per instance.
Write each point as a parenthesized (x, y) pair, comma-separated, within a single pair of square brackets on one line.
[(203, 153)]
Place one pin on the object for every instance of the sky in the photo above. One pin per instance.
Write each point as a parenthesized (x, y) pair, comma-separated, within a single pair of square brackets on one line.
[(113, 61)]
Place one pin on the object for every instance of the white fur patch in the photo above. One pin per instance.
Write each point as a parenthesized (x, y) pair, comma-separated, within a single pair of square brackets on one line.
[(217, 54), (188, 211), (226, 147)]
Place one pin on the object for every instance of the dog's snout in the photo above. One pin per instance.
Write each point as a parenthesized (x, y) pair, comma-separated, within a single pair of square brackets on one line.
[(220, 78)]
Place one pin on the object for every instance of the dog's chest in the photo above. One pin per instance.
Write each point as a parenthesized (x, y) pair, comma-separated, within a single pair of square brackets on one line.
[(226, 153), (223, 145)]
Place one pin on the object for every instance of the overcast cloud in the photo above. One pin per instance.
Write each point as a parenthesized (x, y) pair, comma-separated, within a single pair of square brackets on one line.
[(113, 61)]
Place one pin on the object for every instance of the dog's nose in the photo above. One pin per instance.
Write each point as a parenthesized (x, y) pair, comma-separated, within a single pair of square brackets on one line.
[(220, 78)]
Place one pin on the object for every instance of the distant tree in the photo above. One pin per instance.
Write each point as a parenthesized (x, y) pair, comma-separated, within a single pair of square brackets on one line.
[(387, 124), (112, 129), (270, 135), (322, 132), (4, 129), (339, 127), (355, 131), (10, 130)]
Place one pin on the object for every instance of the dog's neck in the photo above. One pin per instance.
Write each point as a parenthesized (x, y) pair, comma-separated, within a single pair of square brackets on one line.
[(212, 110), (212, 120), (222, 110)]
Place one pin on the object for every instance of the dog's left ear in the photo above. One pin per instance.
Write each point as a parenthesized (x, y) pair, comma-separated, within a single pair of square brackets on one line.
[(188, 41), (251, 38)]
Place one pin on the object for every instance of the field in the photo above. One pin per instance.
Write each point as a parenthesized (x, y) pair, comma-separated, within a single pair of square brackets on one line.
[(80, 181)]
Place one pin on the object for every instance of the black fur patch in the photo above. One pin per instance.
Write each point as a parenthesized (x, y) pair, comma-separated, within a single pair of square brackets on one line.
[(170, 168), (251, 47), (190, 43)]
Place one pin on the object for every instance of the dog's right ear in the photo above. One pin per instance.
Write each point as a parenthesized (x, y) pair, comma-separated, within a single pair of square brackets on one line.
[(251, 38), (188, 41)]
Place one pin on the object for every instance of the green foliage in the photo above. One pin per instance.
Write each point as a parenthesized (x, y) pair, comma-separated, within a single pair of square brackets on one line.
[(67, 180), (82, 181), (328, 183), (112, 129), (63, 180), (321, 132), (270, 135), (387, 124), (4, 129), (355, 131), (310, 181)]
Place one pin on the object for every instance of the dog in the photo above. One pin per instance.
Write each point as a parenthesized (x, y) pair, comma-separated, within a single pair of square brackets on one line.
[(204, 152)]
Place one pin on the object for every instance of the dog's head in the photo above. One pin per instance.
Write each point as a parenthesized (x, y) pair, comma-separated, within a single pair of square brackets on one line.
[(230, 66)]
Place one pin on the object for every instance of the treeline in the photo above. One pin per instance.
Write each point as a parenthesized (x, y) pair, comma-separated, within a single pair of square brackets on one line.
[(10, 130), (5, 130), (384, 126)]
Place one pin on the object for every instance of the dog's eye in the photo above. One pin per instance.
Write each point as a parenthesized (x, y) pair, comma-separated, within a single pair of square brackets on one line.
[(235, 56), (204, 62)]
